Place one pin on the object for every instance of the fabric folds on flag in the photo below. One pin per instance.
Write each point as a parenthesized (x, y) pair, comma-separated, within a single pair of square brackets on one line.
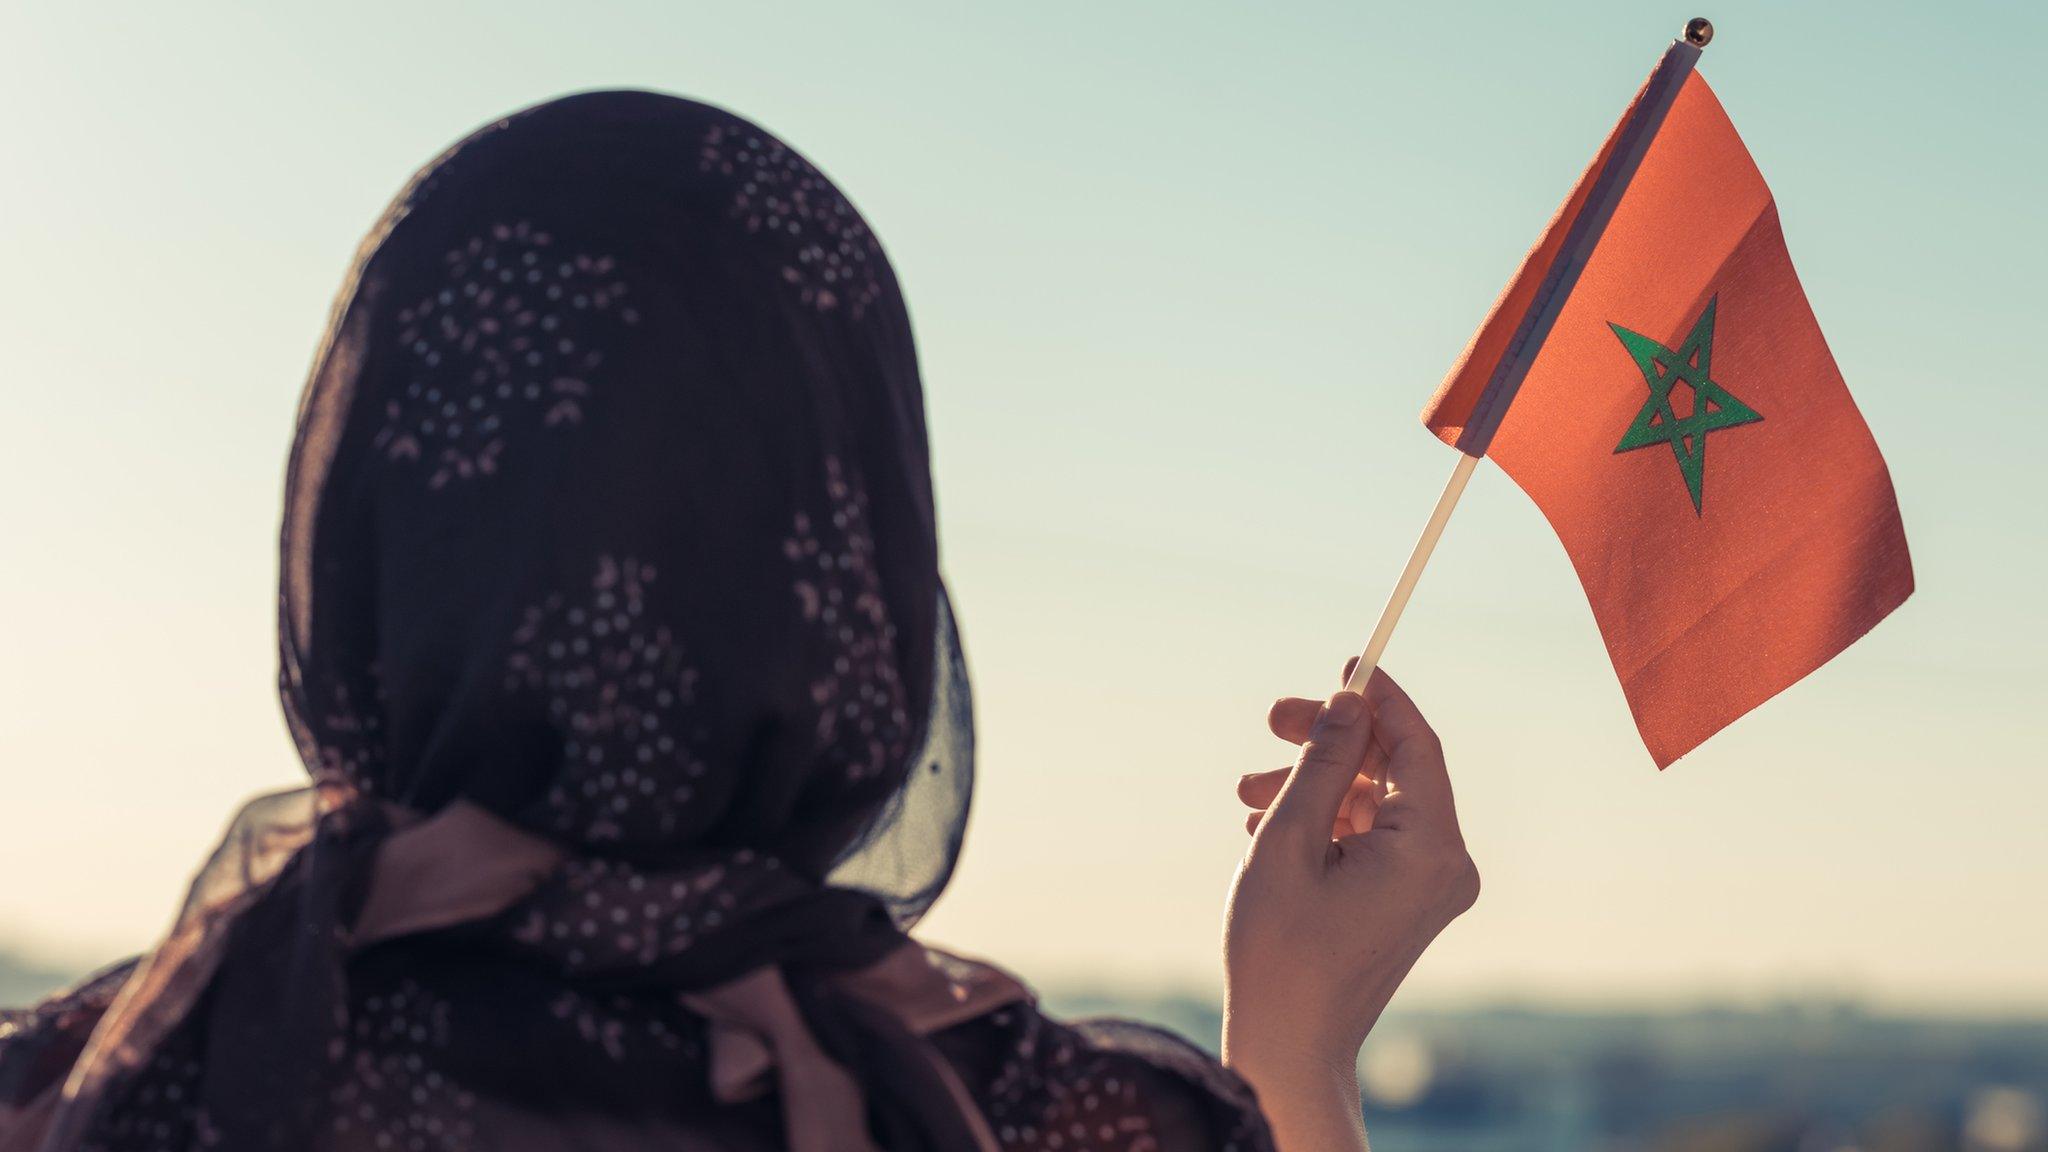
[(1654, 378)]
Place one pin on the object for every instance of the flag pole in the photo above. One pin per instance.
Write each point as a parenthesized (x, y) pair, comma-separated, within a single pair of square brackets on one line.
[(1585, 232), (1405, 586)]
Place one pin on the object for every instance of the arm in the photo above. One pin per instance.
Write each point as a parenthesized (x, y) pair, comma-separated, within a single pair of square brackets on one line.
[(1356, 864)]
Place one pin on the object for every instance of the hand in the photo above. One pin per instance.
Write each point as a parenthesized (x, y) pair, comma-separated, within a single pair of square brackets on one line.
[(1356, 865)]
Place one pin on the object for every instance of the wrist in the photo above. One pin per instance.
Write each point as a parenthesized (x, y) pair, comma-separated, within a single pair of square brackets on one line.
[(1309, 1098), (1314, 1029), (1329, 1062)]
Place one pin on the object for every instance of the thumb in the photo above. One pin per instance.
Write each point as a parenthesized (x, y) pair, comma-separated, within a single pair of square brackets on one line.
[(1330, 760)]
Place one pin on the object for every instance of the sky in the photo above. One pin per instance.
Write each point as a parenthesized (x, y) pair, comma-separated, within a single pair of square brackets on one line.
[(1182, 275)]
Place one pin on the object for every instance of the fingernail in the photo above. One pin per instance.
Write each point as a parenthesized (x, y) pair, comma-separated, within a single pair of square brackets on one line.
[(1342, 711)]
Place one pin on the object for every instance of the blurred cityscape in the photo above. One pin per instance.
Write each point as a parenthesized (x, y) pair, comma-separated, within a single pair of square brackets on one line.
[(1796, 1077)]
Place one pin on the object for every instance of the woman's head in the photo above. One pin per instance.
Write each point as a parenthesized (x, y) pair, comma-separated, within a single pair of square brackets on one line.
[(610, 507)]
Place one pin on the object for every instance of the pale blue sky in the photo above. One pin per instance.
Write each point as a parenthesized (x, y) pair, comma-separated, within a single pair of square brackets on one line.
[(1182, 275)]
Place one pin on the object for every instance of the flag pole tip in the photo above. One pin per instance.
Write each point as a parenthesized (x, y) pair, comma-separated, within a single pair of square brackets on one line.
[(1699, 31)]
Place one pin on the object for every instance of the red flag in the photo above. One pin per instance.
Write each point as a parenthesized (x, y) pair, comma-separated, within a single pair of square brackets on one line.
[(1655, 380)]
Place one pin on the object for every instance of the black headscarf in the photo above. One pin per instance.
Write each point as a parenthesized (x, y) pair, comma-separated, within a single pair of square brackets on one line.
[(609, 514), (615, 470)]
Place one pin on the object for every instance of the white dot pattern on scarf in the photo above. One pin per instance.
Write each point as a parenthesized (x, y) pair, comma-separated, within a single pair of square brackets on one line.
[(392, 1095), (618, 688), (517, 331), (863, 719), (595, 915), (831, 259)]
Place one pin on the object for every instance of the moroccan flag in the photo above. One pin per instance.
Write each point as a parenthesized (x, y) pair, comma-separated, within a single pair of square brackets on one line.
[(1655, 380)]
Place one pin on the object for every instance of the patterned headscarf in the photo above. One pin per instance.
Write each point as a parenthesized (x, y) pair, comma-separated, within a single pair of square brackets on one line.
[(612, 635)]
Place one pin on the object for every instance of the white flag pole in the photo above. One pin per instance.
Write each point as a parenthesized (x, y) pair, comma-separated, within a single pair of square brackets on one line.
[(1405, 586)]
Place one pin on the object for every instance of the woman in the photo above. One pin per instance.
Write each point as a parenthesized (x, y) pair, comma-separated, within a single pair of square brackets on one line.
[(612, 637)]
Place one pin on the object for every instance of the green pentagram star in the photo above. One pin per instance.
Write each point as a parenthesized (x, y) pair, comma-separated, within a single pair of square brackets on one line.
[(1713, 408)]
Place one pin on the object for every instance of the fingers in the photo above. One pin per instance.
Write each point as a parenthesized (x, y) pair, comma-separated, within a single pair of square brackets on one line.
[(1258, 789), (1290, 719), (1356, 824), (1292, 716), (1396, 769), (1309, 802), (1414, 756)]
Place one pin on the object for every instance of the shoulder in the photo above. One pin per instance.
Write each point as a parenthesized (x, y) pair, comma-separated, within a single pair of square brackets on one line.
[(39, 1044), (1101, 1084)]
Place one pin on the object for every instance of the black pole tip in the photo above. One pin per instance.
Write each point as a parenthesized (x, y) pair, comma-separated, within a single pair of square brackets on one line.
[(1699, 31)]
